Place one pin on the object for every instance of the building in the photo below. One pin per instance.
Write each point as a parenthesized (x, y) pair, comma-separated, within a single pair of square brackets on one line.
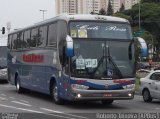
[(88, 6), (129, 3)]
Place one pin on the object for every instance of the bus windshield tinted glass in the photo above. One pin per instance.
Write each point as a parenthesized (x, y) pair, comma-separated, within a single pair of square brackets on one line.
[(101, 59), (100, 30), (3, 57)]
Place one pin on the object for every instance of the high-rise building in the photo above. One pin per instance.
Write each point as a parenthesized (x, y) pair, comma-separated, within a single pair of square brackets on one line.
[(129, 3), (88, 6)]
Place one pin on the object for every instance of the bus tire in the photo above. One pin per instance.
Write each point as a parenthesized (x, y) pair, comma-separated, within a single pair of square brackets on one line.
[(54, 94), (18, 86), (107, 102)]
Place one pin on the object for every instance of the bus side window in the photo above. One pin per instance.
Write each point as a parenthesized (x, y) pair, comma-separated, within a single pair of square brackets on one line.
[(62, 33), (52, 35), (14, 41), (62, 30), (42, 39), (34, 37), (26, 39), (19, 40), (9, 42)]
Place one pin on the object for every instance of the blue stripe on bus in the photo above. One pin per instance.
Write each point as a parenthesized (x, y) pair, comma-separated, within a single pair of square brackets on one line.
[(103, 87)]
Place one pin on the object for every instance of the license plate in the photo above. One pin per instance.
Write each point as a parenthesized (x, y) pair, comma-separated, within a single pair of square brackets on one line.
[(107, 95)]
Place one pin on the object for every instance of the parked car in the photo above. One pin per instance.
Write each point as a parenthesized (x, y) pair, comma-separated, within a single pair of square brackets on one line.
[(150, 86), (141, 65), (157, 67)]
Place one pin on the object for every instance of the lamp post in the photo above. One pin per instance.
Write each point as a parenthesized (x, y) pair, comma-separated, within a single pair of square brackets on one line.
[(139, 14), (43, 12)]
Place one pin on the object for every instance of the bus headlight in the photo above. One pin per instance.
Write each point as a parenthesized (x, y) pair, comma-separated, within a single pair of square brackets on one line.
[(131, 86), (77, 86)]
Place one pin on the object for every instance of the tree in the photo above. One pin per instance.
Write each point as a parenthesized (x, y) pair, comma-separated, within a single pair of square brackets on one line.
[(120, 14), (92, 12), (150, 1), (150, 21), (122, 8), (102, 12), (109, 10)]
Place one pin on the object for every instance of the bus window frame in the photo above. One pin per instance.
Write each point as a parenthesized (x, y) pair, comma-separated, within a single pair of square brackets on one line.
[(9, 41), (21, 47), (31, 29), (45, 44), (24, 37), (53, 46), (14, 49)]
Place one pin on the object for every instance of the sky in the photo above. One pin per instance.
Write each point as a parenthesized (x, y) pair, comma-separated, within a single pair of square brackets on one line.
[(22, 13)]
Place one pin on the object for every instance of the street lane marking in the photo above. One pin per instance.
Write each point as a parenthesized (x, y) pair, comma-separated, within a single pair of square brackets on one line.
[(24, 101), (2, 98), (21, 103), (3, 95), (12, 98), (20, 108), (116, 102), (63, 113), (34, 111)]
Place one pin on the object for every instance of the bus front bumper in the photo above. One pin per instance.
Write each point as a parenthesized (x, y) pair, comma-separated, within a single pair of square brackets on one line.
[(102, 94)]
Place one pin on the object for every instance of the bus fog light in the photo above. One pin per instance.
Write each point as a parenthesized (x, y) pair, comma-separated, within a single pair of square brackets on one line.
[(79, 95), (129, 94), (77, 86)]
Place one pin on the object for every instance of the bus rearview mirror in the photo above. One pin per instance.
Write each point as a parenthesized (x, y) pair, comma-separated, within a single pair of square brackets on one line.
[(69, 46), (143, 46)]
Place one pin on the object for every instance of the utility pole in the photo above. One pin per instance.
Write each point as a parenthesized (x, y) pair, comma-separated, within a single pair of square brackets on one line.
[(43, 12), (139, 14)]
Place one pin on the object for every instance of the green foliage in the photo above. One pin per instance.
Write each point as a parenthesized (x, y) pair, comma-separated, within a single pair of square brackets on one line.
[(149, 22), (109, 10), (150, 1), (150, 19), (122, 8), (102, 12), (119, 14)]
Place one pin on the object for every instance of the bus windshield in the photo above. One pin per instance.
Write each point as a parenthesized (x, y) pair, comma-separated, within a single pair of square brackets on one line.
[(109, 30), (101, 59), (3, 57)]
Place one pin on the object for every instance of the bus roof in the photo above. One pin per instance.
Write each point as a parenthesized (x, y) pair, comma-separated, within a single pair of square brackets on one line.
[(3, 40), (68, 17)]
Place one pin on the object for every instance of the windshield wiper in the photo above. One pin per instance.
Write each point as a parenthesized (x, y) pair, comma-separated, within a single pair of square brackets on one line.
[(109, 57), (106, 56)]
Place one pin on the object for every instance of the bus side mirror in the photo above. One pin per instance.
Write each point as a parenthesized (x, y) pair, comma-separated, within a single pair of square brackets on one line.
[(143, 46), (3, 30), (69, 46)]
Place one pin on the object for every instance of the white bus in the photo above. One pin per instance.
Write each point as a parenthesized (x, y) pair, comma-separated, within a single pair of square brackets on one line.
[(74, 57)]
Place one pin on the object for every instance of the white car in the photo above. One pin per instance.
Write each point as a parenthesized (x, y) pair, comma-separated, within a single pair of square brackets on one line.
[(150, 86), (3, 74)]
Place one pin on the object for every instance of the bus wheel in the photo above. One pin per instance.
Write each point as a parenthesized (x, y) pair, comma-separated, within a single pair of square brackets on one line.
[(146, 96), (18, 87), (55, 96), (107, 102)]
